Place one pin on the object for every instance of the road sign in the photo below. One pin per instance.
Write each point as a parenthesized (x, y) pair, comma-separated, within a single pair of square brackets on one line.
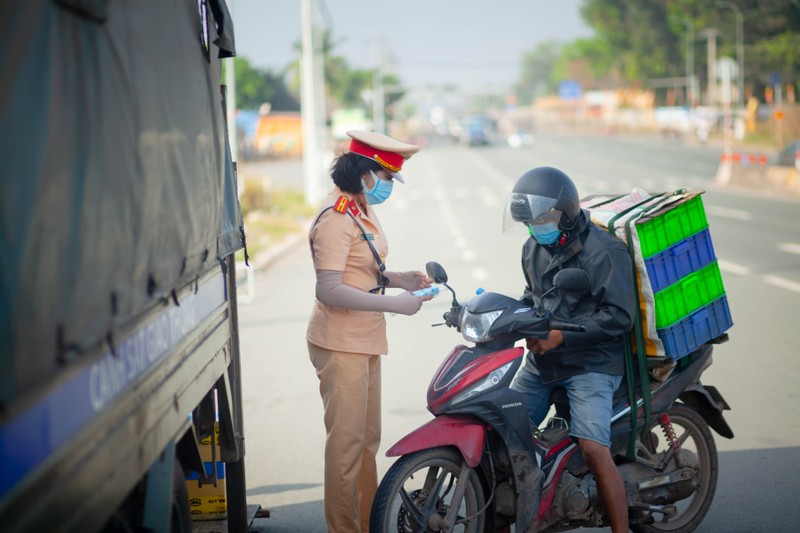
[(569, 90)]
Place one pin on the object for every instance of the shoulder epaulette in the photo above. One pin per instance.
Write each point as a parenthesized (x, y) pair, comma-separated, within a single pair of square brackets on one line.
[(343, 205)]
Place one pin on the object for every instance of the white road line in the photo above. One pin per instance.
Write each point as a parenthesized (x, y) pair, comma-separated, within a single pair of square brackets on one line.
[(491, 172), (461, 192), (782, 283), (790, 247), (479, 274), (727, 212), (727, 266)]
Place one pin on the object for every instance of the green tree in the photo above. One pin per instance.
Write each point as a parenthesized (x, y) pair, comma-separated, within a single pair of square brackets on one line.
[(255, 87), (645, 39), (537, 68), (344, 86)]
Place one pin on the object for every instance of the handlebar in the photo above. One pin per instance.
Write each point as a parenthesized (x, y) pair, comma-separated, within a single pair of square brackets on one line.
[(567, 326)]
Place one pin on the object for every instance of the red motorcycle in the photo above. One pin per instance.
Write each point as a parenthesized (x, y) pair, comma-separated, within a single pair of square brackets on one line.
[(479, 466)]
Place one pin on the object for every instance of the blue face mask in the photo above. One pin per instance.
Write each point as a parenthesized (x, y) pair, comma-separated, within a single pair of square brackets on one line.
[(379, 192), (546, 234)]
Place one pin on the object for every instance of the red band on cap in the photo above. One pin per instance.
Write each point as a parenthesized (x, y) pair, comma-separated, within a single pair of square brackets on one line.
[(389, 160)]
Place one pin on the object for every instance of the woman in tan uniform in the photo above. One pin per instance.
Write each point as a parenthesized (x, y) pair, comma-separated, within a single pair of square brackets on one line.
[(347, 330)]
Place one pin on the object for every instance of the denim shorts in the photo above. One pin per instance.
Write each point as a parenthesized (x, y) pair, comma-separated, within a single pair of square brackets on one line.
[(590, 395)]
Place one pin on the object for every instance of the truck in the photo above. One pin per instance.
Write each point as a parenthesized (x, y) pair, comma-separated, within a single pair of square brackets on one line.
[(119, 223)]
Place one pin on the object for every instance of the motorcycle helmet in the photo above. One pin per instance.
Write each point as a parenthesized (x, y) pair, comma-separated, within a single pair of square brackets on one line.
[(541, 195)]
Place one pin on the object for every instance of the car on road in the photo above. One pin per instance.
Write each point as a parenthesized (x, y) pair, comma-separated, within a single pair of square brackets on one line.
[(790, 155)]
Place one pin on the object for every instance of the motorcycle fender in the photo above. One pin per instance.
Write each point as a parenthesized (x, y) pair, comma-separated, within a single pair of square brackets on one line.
[(709, 403), (466, 433)]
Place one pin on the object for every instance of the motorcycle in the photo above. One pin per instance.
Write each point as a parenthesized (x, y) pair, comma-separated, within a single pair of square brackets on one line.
[(480, 466)]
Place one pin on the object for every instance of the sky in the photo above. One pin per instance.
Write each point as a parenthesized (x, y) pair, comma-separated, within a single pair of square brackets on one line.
[(469, 43)]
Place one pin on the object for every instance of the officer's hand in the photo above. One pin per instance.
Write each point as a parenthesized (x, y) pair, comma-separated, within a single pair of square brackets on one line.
[(406, 303), (413, 280)]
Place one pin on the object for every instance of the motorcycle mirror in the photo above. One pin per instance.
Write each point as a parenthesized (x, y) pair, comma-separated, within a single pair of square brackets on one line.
[(572, 280), (436, 272)]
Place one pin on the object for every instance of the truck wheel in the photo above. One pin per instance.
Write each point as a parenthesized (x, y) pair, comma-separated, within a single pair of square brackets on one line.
[(181, 518)]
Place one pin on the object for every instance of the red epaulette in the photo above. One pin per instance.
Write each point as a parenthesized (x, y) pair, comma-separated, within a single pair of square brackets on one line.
[(342, 205)]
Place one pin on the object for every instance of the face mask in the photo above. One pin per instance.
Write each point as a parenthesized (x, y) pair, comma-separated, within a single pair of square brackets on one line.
[(379, 192), (545, 233)]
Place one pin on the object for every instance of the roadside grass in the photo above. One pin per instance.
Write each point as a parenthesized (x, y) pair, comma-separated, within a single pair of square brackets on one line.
[(270, 215)]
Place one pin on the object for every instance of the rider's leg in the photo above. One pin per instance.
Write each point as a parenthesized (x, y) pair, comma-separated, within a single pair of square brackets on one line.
[(590, 402), (537, 394), (609, 483)]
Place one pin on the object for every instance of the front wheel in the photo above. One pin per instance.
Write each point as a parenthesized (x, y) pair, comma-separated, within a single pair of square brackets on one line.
[(429, 491), (698, 445)]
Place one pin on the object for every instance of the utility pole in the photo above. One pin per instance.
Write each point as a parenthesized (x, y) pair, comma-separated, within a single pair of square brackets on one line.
[(378, 95), (739, 47), (690, 83), (711, 35), (312, 111)]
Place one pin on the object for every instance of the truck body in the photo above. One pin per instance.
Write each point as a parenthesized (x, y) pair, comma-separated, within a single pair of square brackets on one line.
[(120, 218)]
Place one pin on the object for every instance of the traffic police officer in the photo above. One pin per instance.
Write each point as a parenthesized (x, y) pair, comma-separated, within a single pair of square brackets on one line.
[(347, 330)]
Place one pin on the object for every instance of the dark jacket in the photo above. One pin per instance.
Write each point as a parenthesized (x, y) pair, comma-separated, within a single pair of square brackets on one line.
[(607, 310)]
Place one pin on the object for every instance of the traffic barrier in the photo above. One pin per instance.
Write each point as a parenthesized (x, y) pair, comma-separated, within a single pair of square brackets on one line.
[(738, 158), (759, 176)]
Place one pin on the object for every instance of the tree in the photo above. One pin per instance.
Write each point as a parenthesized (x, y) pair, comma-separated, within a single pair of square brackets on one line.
[(344, 86), (255, 87), (537, 68), (647, 37)]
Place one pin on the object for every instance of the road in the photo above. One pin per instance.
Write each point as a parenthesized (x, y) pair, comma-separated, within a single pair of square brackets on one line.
[(450, 210)]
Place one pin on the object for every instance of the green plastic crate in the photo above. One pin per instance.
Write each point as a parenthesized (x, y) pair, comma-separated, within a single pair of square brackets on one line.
[(688, 295), (663, 231)]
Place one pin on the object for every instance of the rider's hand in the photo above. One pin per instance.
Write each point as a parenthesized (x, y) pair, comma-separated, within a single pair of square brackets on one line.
[(542, 346)]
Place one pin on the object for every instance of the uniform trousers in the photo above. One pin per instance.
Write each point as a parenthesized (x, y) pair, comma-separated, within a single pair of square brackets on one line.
[(350, 386)]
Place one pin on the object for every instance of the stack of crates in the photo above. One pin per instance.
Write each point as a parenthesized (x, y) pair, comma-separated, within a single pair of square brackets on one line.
[(691, 307)]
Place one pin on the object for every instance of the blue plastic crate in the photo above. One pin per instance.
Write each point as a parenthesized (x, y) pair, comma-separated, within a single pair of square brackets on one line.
[(706, 323), (679, 260)]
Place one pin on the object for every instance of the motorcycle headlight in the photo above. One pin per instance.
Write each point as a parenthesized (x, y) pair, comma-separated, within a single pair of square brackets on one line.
[(475, 327), (486, 383)]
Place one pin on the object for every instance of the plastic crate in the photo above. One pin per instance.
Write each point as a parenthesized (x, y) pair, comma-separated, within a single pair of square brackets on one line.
[(679, 260), (688, 295), (672, 226), (709, 322)]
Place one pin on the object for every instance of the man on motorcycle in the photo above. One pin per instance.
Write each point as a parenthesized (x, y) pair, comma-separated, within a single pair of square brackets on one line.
[(588, 365)]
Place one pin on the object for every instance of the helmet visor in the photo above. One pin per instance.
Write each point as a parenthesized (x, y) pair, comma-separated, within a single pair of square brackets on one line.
[(523, 210)]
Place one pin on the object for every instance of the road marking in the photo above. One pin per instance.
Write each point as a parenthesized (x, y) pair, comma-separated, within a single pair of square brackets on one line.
[(461, 193), (727, 266), (782, 283), (727, 212), (790, 247), (490, 171), (479, 274)]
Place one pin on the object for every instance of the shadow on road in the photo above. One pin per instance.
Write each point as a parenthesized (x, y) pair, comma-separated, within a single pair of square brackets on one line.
[(756, 491)]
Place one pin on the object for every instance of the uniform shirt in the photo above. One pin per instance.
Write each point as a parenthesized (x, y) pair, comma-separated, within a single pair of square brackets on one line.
[(338, 244)]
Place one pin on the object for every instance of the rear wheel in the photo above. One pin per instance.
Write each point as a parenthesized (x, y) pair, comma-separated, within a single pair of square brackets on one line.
[(180, 515), (421, 491), (695, 438)]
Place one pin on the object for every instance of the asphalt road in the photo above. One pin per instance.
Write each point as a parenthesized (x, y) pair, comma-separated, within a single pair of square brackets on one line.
[(450, 210)]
